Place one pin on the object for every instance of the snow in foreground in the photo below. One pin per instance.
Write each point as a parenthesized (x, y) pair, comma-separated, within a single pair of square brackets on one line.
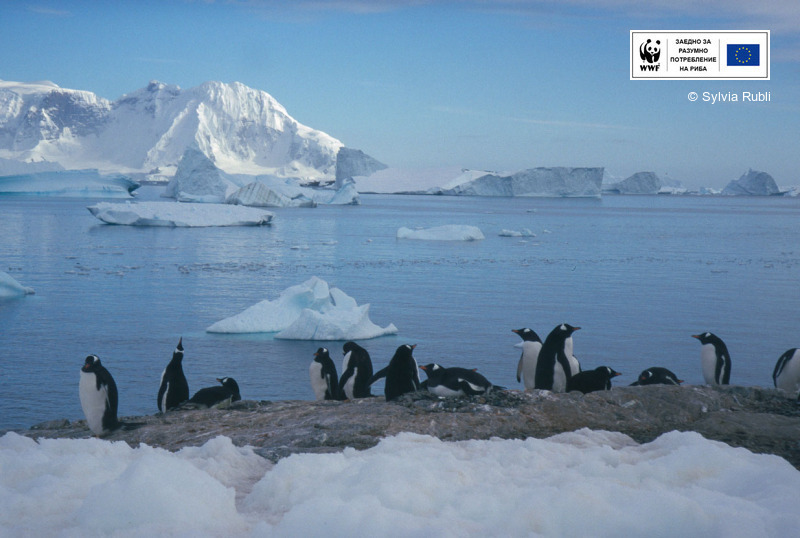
[(309, 311), (585, 483), (176, 214)]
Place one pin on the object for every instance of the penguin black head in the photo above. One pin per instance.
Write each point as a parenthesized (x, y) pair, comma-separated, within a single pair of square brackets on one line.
[(606, 370), (349, 346), (91, 363), (230, 384), (527, 335), (180, 345), (567, 329), (431, 368), (177, 355), (321, 352), (707, 338)]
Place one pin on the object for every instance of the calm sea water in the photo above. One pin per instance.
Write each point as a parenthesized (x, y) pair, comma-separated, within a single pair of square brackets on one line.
[(640, 275)]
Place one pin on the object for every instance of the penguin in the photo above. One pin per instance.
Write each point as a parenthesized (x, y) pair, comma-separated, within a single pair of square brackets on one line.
[(99, 397), (356, 372), (174, 389), (211, 396), (657, 376), (531, 346), (715, 359), (786, 375), (592, 380), (401, 374), (322, 371), (455, 381), (556, 363)]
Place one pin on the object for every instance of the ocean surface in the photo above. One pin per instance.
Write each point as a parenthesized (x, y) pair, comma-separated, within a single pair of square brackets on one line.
[(639, 274)]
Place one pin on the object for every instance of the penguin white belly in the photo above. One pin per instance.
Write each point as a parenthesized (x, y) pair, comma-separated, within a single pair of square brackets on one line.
[(346, 361), (708, 360), (349, 384), (559, 378), (574, 365), (789, 378), (441, 390), (318, 383), (528, 361), (164, 398), (93, 402)]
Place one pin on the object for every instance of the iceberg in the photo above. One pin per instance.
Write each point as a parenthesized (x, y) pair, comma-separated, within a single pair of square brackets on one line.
[(638, 183), (10, 288), (753, 183), (77, 183), (354, 162), (257, 194), (309, 311), (448, 232), (176, 214)]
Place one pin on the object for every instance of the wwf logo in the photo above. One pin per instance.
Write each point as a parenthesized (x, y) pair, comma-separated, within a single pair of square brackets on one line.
[(649, 51)]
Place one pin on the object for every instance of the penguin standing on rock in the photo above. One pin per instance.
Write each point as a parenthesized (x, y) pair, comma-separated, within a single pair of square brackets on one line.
[(455, 381), (210, 396), (786, 374), (322, 371), (556, 363), (531, 346), (99, 398), (715, 359), (592, 380), (356, 372), (174, 389), (401, 374), (657, 376)]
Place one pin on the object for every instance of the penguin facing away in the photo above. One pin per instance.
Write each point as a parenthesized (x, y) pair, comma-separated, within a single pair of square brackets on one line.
[(455, 381), (531, 346), (401, 374), (211, 396), (714, 359), (556, 363), (592, 380), (322, 371), (174, 389), (657, 376), (786, 374), (356, 372), (99, 399)]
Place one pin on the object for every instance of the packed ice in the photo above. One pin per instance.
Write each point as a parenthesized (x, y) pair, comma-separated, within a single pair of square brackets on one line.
[(176, 214), (312, 310), (447, 232), (584, 483)]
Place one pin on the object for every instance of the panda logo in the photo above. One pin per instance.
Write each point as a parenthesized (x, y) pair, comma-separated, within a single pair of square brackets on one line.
[(650, 52)]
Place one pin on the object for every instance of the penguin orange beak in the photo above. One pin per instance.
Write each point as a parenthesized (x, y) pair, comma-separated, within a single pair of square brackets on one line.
[(577, 328), (696, 336), (421, 366), (617, 373), (413, 346)]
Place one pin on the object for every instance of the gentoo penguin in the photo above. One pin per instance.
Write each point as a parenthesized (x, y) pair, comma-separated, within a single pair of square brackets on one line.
[(210, 396), (786, 375), (401, 374), (531, 346), (356, 372), (174, 389), (455, 381), (715, 359), (322, 371), (657, 376), (556, 362), (592, 380), (99, 397)]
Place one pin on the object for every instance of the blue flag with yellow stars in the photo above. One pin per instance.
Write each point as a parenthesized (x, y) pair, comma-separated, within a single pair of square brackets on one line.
[(743, 54)]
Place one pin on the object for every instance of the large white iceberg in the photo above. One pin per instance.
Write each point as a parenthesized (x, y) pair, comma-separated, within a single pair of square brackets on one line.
[(753, 183), (638, 183), (77, 183), (10, 288), (448, 232), (176, 214), (308, 311)]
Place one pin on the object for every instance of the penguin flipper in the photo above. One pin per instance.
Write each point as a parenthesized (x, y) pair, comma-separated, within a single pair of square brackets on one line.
[(519, 369), (378, 375)]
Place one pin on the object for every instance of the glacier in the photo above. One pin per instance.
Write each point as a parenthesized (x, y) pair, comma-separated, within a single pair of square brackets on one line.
[(180, 215), (77, 183), (312, 310), (10, 288)]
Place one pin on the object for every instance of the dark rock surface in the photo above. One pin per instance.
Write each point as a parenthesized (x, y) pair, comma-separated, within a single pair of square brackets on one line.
[(761, 420)]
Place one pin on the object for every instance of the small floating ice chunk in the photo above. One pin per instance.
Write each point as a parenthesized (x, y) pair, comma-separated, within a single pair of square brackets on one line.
[(525, 232), (175, 214), (448, 232)]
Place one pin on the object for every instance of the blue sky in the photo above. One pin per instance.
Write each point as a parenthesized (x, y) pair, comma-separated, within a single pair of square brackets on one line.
[(497, 85)]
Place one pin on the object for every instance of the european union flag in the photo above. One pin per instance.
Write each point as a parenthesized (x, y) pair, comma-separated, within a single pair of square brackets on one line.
[(743, 54)]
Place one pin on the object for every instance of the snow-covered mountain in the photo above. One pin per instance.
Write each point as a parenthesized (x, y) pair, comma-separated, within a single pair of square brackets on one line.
[(242, 130)]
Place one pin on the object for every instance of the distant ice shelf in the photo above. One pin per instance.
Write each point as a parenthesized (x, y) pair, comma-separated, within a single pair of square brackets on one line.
[(75, 183)]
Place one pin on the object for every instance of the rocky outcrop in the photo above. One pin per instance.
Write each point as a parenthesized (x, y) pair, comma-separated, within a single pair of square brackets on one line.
[(761, 420)]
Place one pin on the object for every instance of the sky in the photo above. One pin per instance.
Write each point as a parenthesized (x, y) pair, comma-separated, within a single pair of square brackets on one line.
[(493, 85)]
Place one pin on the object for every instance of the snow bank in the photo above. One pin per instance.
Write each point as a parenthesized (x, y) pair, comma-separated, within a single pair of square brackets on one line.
[(585, 483), (753, 183), (308, 311), (177, 214), (10, 288), (77, 183), (448, 232)]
